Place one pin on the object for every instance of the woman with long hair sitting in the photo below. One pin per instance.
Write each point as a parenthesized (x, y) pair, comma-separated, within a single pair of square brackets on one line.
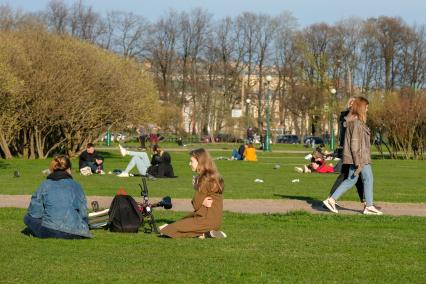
[(206, 219)]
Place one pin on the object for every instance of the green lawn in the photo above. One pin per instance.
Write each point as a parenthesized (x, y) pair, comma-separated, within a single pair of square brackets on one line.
[(296, 247), (395, 180)]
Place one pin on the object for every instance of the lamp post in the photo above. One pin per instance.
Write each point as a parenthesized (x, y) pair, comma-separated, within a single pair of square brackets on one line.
[(267, 146), (248, 101), (332, 92), (108, 134)]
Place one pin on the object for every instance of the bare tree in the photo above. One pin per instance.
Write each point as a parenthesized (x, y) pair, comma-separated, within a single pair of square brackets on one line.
[(161, 53), (84, 22), (57, 15), (194, 28), (283, 61), (129, 33)]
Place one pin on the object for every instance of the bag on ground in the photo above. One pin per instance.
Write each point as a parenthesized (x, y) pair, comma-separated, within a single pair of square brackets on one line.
[(124, 215)]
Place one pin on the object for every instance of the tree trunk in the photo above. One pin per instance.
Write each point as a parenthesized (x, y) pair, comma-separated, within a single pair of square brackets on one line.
[(31, 145), (24, 145), (5, 147)]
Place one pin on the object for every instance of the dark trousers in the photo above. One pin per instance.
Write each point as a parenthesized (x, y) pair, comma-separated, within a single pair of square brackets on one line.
[(344, 175), (93, 166), (142, 140), (37, 230)]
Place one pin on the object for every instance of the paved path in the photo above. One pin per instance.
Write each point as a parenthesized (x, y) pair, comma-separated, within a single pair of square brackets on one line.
[(254, 205), (187, 149)]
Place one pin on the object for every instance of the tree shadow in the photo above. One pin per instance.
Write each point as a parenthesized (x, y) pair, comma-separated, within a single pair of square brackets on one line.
[(4, 165), (315, 204), (105, 154)]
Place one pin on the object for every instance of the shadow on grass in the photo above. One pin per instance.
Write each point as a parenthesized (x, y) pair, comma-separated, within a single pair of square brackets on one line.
[(105, 154), (315, 204), (3, 165)]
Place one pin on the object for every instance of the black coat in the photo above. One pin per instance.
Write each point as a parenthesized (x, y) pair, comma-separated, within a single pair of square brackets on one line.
[(87, 160), (162, 169)]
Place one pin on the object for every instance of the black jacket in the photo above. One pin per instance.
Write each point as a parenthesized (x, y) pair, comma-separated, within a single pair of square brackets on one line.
[(156, 159), (342, 128), (164, 168), (87, 160)]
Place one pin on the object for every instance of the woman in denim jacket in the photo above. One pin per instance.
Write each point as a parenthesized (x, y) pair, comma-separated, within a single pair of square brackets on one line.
[(357, 154), (58, 208)]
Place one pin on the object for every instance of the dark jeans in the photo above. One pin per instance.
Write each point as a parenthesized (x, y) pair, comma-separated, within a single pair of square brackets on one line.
[(344, 175), (37, 230), (93, 166)]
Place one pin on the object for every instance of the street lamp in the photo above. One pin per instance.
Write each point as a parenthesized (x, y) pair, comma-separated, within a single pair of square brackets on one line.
[(108, 134), (267, 146), (333, 92), (248, 101)]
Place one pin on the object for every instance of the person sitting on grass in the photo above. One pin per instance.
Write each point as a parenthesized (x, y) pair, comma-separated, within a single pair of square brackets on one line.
[(206, 219), (161, 165), (239, 155), (139, 159), (90, 161), (58, 209), (250, 153), (156, 155), (321, 150)]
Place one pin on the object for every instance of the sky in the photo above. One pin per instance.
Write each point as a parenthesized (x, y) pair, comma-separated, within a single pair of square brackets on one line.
[(306, 11)]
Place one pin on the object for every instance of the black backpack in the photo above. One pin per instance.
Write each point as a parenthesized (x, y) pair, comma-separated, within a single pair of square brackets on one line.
[(124, 215)]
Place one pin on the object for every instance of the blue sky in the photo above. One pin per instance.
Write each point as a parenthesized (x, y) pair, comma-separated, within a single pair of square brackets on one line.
[(306, 11)]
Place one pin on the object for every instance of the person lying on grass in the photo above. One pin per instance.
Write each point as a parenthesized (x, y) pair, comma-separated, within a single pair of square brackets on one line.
[(317, 165), (206, 219), (58, 209)]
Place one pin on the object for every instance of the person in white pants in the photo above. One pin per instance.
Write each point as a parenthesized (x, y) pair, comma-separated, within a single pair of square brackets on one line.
[(139, 159)]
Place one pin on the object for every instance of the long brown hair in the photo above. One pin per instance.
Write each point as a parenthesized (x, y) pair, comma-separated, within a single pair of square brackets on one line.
[(359, 108), (60, 163), (209, 179)]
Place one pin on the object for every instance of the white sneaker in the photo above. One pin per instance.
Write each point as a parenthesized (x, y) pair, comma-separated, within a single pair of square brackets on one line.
[(123, 151), (371, 210), (308, 157), (123, 174), (330, 206), (216, 235), (298, 169)]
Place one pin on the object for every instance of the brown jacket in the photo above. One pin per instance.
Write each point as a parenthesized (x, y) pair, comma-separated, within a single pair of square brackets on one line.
[(356, 149), (201, 220)]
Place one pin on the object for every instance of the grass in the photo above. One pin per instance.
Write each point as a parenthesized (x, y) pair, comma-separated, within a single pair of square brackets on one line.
[(296, 247), (394, 180)]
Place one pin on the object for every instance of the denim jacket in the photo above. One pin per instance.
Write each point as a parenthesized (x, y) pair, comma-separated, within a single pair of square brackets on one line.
[(61, 204)]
